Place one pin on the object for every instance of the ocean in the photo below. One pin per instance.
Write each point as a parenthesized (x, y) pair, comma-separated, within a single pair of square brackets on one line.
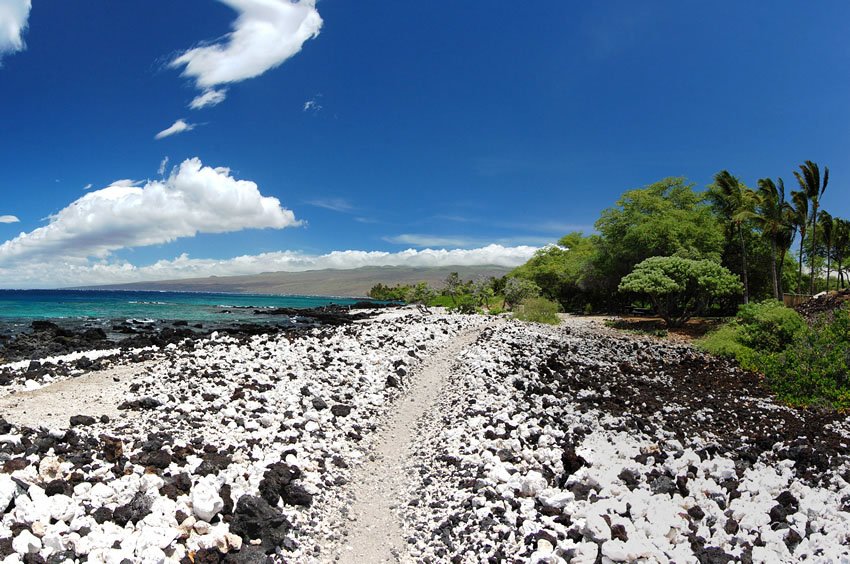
[(18, 308)]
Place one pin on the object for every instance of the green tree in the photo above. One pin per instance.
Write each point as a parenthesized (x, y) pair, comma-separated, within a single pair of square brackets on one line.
[(841, 246), (564, 271), (680, 288), (828, 232), (519, 289), (772, 216), (453, 286), (735, 204), (663, 219), (800, 217), (482, 292), (810, 183), (421, 293)]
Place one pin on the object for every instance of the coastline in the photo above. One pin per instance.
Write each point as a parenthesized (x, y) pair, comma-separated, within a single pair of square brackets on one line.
[(537, 444)]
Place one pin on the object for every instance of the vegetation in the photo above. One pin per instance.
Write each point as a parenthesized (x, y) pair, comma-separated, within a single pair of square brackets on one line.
[(538, 310), (728, 250), (804, 365), (680, 288)]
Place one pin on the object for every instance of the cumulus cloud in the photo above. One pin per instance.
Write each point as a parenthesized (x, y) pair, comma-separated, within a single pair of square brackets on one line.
[(178, 126), (76, 272), (193, 199), (265, 34), (13, 22), (9, 219)]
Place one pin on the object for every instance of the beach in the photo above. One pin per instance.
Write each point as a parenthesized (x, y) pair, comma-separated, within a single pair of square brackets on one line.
[(414, 436)]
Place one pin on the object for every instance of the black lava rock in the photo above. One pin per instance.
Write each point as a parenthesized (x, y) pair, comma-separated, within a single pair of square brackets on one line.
[(254, 518)]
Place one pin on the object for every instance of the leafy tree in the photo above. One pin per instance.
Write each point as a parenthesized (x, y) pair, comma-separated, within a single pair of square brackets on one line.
[(421, 293), (810, 184), (678, 287), (482, 291), (453, 286), (519, 289), (663, 219), (735, 203), (564, 271), (800, 217), (396, 293), (772, 216)]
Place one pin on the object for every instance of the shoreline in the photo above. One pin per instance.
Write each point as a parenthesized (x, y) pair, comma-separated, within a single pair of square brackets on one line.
[(540, 440)]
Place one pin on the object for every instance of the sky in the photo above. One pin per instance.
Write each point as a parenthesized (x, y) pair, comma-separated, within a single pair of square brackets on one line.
[(161, 139)]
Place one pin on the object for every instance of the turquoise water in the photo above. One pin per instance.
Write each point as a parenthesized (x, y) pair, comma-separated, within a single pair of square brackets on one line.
[(23, 305)]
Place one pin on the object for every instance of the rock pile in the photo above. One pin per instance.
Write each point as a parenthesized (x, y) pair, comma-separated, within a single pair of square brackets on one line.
[(230, 449), (574, 445)]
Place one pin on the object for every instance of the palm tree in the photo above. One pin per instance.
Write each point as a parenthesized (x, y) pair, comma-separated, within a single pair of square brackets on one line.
[(828, 228), (809, 180), (800, 217), (736, 204), (841, 246), (772, 218)]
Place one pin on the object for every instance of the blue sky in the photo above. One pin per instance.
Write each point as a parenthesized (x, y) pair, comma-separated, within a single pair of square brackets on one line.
[(487, 126)]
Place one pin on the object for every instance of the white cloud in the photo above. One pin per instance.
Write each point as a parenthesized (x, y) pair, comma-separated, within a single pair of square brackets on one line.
[(9, 219), (333, 204), (430, 240), (193, 199), (76, 272), (13, 22), (312, 105), (162, 166), (265, 34), (88, 186), (208, 98), (178, 126)]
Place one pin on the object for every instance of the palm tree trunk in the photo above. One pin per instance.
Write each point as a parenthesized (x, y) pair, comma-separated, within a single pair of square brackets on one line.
[(773, 268), (800, 271), (781, 265), (814, 247), (744, 265)]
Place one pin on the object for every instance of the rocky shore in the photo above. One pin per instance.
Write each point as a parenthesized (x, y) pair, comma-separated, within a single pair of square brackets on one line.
[(568, 444)]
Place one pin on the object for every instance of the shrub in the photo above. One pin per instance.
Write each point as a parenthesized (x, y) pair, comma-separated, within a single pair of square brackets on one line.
[(464, 303), (538, 310), (815, 369), (768, 326)]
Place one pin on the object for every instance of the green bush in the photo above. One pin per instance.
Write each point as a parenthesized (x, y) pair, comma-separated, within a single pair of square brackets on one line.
[(768, 326), (803, 365), (538, 310), (815, 368), (464, 303)]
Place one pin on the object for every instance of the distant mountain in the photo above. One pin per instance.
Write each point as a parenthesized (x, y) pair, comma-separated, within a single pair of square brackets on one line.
[(344, 283)]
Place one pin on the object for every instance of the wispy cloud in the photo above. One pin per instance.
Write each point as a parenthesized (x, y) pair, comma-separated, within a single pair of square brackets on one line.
[(334, 204), (461, 241), (9, 219), (67, 271), (193, 199), (265, 34), (14, 15), (88, 186), (418, 240), (178, 126), (208, 98), (313, 105), (163, 164)]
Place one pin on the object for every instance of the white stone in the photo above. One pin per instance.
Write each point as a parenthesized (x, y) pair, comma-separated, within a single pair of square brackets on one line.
[(532, 483), (26, 543), (8, 490), (206, 502)]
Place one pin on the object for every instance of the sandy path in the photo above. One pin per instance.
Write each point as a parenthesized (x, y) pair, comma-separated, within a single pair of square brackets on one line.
[(96, 393), (375, 533)]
